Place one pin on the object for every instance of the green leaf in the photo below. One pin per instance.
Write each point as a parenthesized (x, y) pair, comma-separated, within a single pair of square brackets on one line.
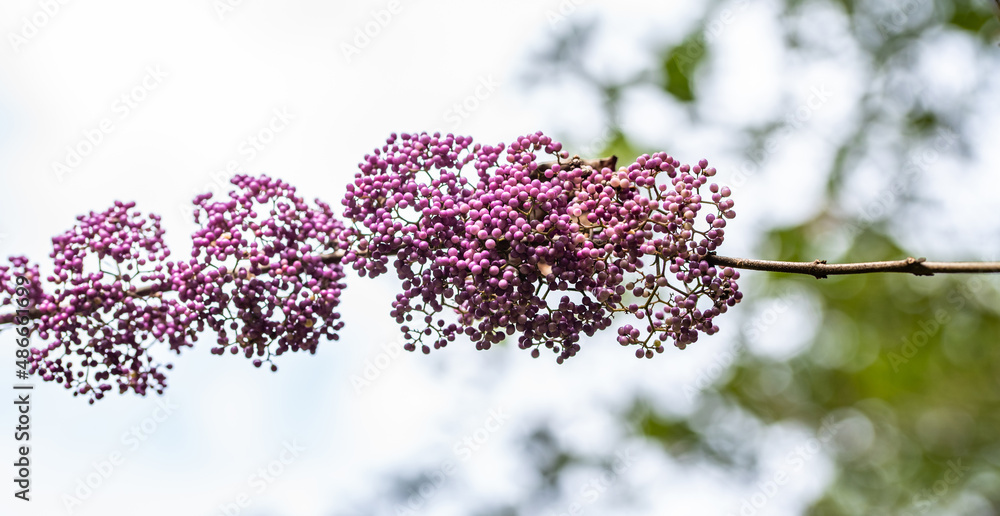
[(970, 16), (679, 64)]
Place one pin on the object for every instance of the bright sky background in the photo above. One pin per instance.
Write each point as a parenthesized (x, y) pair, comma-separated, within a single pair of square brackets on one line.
[(224, 78)]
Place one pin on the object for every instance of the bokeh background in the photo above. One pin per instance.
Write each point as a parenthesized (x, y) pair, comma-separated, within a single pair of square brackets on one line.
[(847, 131)]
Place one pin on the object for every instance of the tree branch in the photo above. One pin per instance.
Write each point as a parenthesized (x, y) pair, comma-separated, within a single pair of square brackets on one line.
[(149, 290), (578, 162), (820, 269)]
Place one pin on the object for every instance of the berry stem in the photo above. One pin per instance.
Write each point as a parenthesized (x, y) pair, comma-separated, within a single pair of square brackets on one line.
[(148, 290), (820, 269)]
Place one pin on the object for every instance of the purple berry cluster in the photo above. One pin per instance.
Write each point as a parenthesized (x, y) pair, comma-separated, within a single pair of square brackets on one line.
[(545, 250), (670, 236), (99, 326), (21, 266), (264, 272), (488, 240)]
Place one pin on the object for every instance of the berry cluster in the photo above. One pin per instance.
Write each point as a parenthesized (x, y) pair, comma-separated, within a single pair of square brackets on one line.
[(264, 275), (488, 240), (549, 250), (99, 325), (669, 235), (33, 290), (264, 272)]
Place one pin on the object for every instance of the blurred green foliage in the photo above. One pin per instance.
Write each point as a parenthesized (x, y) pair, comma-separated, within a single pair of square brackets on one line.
[(899, 379), (905, 369), (916, 358), (679, 64)]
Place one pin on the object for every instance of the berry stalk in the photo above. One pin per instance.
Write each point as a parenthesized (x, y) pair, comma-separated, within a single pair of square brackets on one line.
[(818, 268)]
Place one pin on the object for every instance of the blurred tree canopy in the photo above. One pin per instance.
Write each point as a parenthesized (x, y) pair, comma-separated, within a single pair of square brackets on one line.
[(905, 370), (908, 369)]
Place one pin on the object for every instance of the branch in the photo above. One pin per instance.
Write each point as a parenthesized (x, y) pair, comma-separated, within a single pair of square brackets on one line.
[(820, 269), (150, 290), (577, 162)]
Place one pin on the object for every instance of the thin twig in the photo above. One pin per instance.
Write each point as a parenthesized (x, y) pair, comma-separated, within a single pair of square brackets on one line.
[(578, 162), (821, 269), (150, 290), (818, 268)]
